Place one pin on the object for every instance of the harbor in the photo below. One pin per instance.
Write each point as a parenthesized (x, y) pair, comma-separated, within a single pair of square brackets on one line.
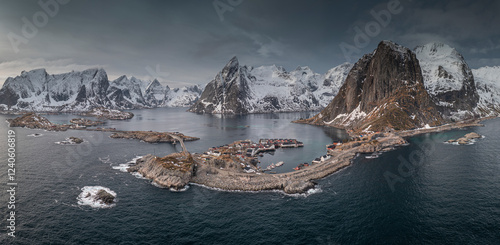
[(247, 154)]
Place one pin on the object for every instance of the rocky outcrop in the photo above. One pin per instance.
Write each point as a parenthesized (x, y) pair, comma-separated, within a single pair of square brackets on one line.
[(75, 140), (383, 89), (35, 121), (448, 79), (104, 197), (173, 171), (467, 139), (296, 187)]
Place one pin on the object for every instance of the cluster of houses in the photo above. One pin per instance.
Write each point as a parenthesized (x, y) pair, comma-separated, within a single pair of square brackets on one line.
[(244, 152)]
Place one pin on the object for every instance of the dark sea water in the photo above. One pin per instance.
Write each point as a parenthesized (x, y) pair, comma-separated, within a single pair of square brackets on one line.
[(436, 194)]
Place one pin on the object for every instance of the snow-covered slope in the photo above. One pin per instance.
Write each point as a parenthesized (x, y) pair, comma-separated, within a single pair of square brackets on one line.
[(82, 91), (182, 97), (245, 89), (442, 67), (488, 86), (447, 78)]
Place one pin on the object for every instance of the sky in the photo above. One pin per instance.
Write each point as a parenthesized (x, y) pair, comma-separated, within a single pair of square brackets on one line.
[(183, 42)]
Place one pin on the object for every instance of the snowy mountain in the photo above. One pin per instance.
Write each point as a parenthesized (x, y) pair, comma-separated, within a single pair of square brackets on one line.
[(384, 89), (82, 91), (182, 97), (488, 86), (448, 79), (245, 89)]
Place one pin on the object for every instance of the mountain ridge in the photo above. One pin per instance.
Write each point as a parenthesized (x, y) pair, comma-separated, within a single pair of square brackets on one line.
[(78, 91), (241, 89)]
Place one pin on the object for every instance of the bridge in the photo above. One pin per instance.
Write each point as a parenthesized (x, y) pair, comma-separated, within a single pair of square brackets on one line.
[(175, 137)]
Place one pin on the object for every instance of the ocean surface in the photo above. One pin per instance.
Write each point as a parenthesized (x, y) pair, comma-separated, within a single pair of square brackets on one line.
[(426, 193)]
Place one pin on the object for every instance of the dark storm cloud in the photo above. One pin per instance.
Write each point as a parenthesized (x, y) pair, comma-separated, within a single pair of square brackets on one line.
[(186, 41)]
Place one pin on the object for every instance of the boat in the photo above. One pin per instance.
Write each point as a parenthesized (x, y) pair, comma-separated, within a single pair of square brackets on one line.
[(299, 167), (316, 160), (279, 164), (373, 155)]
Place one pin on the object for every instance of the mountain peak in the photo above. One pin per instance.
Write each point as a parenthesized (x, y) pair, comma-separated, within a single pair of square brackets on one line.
[(233, 62), (436, 50), (153, 84), (383, 89), (40, 71), (387, 44), (302, 68), (447, 78)]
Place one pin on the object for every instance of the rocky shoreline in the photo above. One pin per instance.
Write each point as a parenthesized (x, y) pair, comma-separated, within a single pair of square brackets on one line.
[(467, 139), (297, 182), (35, 121), (229, 178)]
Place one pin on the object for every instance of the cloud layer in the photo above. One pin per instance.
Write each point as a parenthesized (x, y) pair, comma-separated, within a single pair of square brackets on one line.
[(189, 43)]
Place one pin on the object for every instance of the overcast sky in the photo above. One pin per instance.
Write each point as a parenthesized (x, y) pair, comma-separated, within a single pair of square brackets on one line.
[(189, 41)]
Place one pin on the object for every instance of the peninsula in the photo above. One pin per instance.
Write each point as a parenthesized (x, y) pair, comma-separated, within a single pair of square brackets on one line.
[(179, 169)]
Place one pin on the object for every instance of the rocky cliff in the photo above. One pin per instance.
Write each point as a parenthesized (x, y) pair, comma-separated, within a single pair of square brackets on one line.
[(383, 89)]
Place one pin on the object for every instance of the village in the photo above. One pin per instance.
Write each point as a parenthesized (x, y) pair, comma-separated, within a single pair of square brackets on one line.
[(243, 155)]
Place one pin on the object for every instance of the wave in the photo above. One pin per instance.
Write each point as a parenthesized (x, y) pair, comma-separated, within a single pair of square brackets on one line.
[(124, 166), (88, 197), (470, 142), (68, 141), (315, 190)]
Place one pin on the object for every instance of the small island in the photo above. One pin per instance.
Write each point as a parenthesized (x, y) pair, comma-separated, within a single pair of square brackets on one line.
[(467, 139), (83, 123), (97, 197), (152, 137), (35, 121)]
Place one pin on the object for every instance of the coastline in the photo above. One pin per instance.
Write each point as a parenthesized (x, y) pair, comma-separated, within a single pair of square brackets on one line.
[(301, 181), (295, 182)]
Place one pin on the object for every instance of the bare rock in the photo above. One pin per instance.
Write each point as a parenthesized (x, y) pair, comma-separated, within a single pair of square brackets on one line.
[(105, 197), (173, 171), (294, 187), (472, 135)]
